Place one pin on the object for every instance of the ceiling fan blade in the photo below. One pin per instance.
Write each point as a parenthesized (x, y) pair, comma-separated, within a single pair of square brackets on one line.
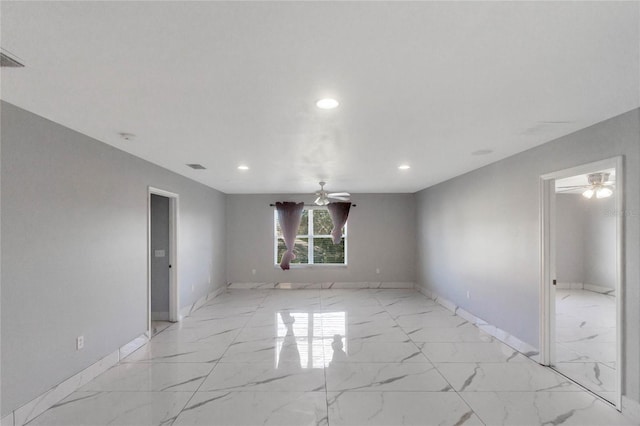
[(339, 194), (574, 186), (559, 190), (340, 198)]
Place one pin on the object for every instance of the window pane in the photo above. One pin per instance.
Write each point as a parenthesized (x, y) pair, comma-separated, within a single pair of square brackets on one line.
[(278, 229), (300, 250), (303, 229), (322, 224), (324, 251), (304, 223)]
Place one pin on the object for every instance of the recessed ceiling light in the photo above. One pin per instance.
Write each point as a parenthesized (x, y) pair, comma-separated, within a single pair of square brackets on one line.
[(243, 167), (404, 167), (327, 103), (482, 152)]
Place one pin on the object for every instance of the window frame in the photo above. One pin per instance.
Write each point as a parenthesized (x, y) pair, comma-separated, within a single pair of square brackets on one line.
[(310, 237)]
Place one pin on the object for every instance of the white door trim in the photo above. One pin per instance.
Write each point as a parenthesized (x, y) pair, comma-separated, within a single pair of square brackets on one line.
[(174, 294), (547, 246)]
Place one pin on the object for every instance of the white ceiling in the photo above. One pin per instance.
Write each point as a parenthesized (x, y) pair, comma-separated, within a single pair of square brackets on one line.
[(229, 83)]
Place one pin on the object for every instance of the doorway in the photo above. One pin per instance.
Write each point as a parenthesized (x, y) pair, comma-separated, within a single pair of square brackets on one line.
[(162, 286), (581, 294)]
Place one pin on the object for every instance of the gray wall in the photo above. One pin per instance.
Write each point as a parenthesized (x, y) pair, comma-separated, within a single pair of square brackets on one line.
[(586, 240), (600, 243), (74, 250), (381, 235), (159, 264), (570, 230), (480, 232), (1, 392)]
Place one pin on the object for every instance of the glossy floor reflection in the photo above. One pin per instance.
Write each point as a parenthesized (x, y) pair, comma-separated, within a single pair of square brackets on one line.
[(327, 357), (586, 339)]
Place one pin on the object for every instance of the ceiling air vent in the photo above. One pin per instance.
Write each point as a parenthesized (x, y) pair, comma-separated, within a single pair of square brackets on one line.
[(197, 166), (7, 60)]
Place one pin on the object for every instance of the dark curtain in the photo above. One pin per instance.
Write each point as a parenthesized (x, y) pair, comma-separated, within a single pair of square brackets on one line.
[(289, 215), (339, 213)]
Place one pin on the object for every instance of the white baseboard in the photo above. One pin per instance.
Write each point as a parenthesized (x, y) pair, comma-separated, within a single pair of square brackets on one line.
[(37, 406), (185, 311), (132, 346), (569, 285), (257, 286), (329, 285), (424, 291), (600, 289), (506, 338), (584, 286), (40, 404)]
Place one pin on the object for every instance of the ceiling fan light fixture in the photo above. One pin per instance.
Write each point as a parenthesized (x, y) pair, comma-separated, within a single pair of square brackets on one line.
[(404, 167), (324, 197), (598, 178), (599, 186), (603, 192), (321, 201)]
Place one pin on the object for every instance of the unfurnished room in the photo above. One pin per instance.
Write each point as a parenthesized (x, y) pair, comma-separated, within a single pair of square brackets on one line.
[(319, 213)]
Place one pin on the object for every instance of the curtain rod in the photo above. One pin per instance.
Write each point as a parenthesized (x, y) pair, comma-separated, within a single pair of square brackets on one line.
[(310, 205)]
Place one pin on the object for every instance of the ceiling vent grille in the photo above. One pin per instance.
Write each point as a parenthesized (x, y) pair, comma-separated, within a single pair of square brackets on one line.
[(197, 166), (7, 61)]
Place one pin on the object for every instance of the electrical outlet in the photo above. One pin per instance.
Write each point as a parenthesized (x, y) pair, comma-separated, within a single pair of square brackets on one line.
[(79, 342), (193, 288), (468, 294), (377, 270), (253, 271)]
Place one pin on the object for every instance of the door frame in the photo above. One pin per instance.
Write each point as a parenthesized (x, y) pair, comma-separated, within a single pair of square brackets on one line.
[(547, 265), (174, 294)]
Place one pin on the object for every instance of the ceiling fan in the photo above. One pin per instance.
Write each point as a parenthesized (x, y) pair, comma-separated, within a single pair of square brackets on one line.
[(599, 185), (324, 196)]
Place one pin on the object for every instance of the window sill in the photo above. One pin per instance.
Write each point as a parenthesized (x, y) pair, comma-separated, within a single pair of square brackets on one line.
[(315, 266)]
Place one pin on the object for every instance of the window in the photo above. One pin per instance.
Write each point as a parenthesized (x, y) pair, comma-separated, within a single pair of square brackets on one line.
[(313, 245)]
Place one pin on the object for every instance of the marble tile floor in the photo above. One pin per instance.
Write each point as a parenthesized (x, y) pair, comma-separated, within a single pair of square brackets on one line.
[(327, 357), (158, 326), (586, 339)]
